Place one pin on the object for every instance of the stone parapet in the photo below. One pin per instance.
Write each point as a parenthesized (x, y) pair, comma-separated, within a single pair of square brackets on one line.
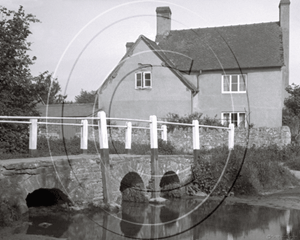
[(79, 177)]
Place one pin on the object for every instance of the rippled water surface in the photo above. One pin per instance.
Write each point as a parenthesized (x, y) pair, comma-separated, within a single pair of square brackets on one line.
[(177, 219)]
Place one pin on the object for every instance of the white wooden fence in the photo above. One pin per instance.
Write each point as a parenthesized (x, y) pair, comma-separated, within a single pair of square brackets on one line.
[(102, 128)]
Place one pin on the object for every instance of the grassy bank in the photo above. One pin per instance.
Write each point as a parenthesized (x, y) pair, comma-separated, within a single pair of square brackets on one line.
[(261, 171), (60, 147)]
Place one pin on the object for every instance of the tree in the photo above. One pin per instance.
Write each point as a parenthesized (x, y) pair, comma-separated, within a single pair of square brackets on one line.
[(86, 97), (291, 111), (47, 89), (20, 92), (15, 78), (292, 103)]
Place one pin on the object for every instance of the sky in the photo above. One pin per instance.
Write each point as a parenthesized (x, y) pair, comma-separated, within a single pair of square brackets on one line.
[(81, 41)]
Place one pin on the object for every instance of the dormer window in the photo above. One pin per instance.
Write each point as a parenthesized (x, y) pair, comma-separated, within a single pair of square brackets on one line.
[(143, 80)]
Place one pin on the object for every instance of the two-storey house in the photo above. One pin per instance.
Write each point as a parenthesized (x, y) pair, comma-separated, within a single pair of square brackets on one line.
[(237, 73)]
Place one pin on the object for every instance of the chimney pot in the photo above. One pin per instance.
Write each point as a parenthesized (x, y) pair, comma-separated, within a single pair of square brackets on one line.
[(129, 45)]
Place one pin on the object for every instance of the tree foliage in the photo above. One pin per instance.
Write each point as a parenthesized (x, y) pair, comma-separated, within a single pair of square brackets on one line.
[(85, 97), (47, 89), (15, 77), (292, 103), (174, 117), (20, 91), (291, 111)]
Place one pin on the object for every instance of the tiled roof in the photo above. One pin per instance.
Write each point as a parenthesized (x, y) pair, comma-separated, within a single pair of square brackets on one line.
[(160, 53), (67, 110), (245, 46)]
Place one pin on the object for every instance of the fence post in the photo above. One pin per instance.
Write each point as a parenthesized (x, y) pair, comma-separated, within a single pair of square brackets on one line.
[(154, 157), (104, 153), (33, 130), (231, 136), (196, 140), (164, 135), (84, 136), (128, 136)]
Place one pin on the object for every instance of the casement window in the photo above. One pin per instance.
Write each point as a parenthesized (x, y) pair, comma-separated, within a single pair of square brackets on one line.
[(237, 118), (235, 83), (143, 80)]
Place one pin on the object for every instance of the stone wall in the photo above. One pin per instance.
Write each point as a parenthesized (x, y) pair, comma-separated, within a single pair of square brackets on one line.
[(211, 138), (79, 177), (182, 139)]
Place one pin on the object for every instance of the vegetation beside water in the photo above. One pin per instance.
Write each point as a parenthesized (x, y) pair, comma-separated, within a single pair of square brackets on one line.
[(261, 171), (264, 168)]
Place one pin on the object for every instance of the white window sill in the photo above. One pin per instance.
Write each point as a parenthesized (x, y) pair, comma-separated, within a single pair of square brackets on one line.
[(143, 88), (233, 92)]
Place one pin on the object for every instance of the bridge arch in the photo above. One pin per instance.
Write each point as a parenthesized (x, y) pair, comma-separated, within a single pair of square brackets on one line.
[(46, 197), (170, 185), (176, 169), (132, 188)]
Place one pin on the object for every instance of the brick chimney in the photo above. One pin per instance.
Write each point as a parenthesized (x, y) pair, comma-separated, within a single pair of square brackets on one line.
[(284, 20), (129, 45), (163, 22)]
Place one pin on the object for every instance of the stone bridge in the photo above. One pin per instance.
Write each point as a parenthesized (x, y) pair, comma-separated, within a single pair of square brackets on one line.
[(77, 179), (139, 167)]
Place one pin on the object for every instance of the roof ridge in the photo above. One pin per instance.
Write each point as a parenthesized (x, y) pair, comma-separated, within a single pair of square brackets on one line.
[(228, 26)]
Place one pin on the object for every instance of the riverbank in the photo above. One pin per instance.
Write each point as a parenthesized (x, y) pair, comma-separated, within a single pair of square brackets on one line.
[(285, 199), (288, 198)]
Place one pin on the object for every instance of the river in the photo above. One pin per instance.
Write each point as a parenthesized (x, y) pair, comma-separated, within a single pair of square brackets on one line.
[(177, 219)]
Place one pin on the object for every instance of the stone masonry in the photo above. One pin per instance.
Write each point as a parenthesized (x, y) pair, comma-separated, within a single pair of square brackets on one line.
[(182, 139), (79, 177)]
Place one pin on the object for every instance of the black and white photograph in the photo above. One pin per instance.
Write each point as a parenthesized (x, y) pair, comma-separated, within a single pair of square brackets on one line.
[(149, 119)]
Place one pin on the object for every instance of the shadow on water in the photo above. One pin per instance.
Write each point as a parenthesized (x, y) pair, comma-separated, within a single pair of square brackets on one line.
[(230, 221), (133, 217), (59, 225)]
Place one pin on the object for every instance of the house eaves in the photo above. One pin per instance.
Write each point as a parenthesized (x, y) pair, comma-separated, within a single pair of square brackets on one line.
[(160, 54)]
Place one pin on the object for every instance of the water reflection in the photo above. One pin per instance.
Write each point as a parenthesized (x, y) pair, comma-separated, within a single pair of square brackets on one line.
[(230, 221), (133, 217), (37, 228)]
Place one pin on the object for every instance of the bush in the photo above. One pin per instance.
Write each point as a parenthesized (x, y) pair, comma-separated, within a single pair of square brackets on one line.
[(291, 157), (173, 117), (261, 171), (8, 214), (14, 139), (166, 148), (172, 190)]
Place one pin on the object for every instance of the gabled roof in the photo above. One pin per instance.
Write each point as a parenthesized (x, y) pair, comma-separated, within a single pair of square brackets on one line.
[(67, 110), (159, 53), (245, 46)]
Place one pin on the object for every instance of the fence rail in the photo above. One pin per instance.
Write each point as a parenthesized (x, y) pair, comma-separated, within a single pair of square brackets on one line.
[(102, 128)]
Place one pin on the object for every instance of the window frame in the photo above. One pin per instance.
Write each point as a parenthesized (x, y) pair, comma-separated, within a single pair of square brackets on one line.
[(239, 80), (239, 119), (143, 80)]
